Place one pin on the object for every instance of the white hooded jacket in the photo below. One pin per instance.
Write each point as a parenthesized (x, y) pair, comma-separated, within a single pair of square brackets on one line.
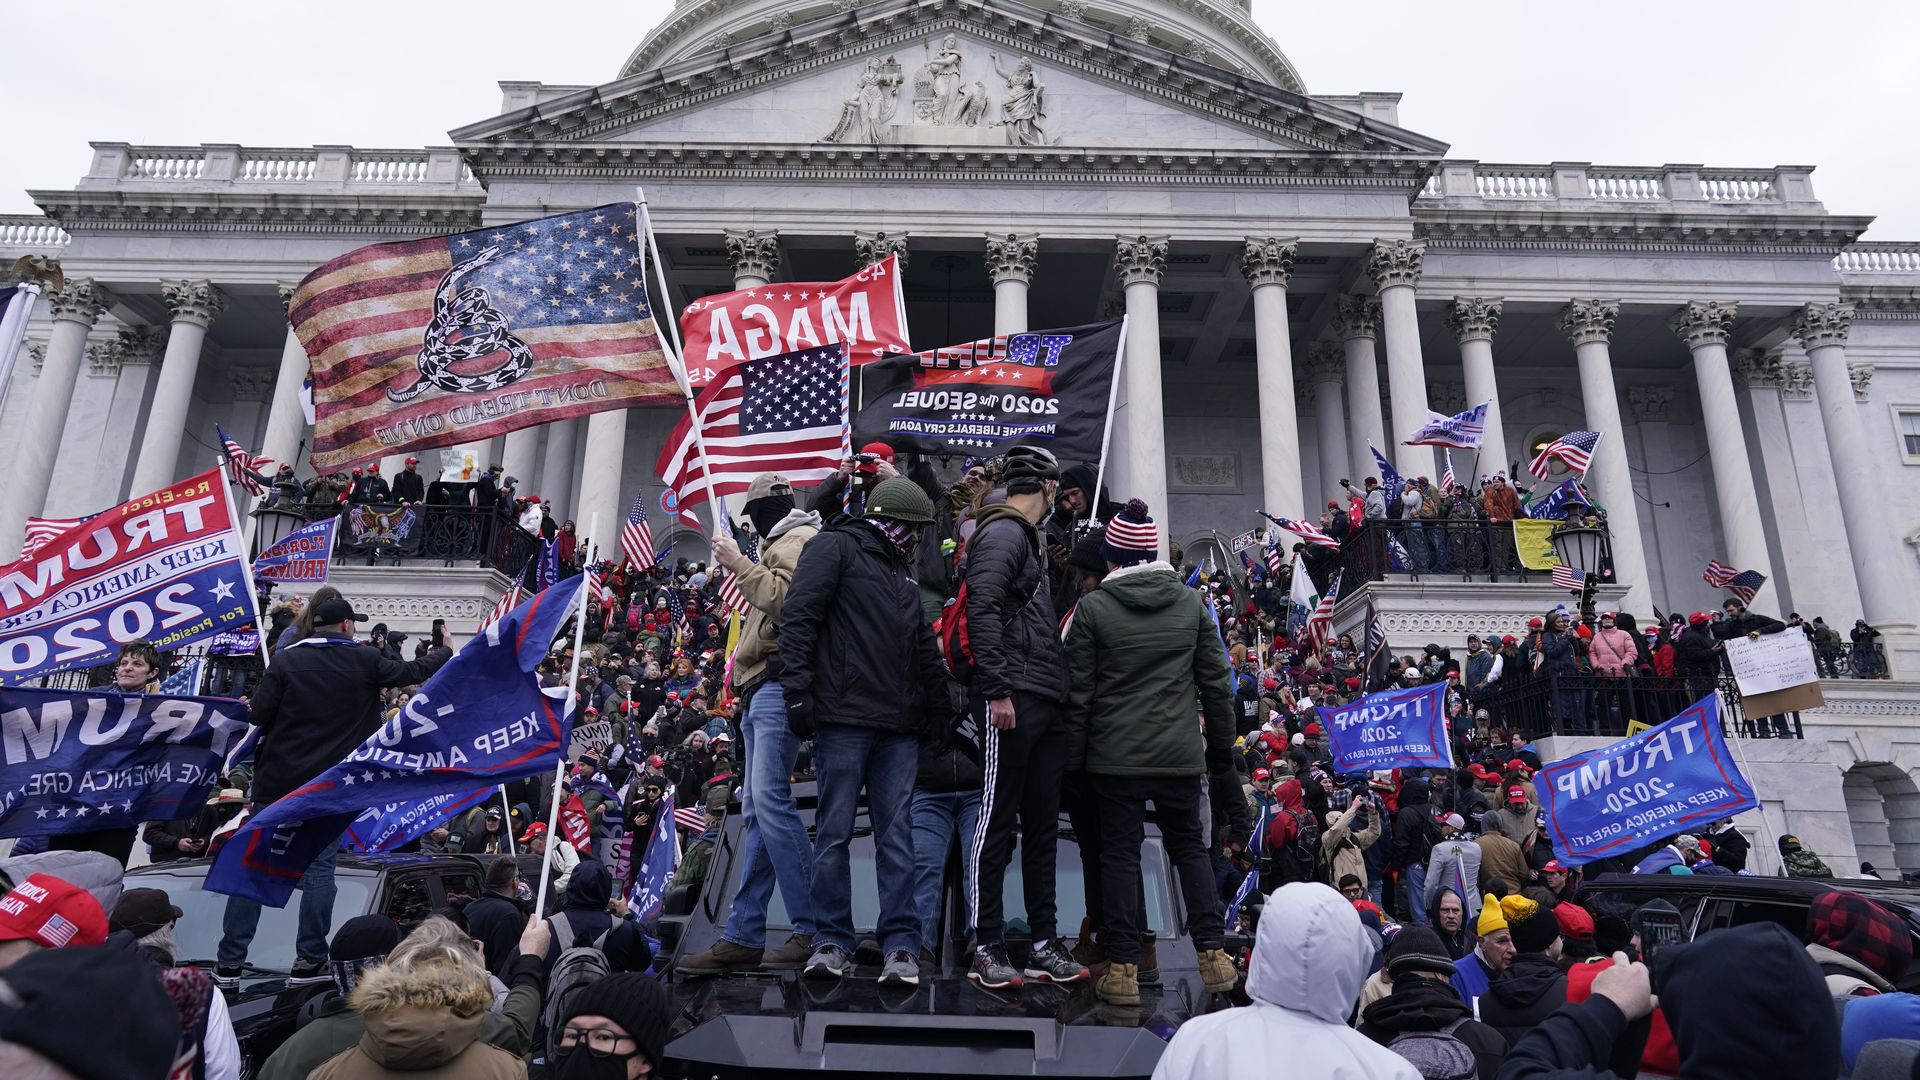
[(1309, 960)]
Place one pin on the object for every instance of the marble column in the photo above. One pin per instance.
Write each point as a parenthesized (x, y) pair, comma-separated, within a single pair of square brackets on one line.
[(1705, 326), (1356, 322), (1762, 375), (1885, 579), (1394, 266), (1326, 368), (136, 353), (1651, 407), (1010, 261), (600, 471), (192, 306), (74, 310), (556, 469), (753, 255), (1141, 260), (871, 247), (286, 421), (1473, 320), (1267, 263), (1588, 324)]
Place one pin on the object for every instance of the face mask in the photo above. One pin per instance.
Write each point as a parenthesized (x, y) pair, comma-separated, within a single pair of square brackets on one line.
[(580, 1063)]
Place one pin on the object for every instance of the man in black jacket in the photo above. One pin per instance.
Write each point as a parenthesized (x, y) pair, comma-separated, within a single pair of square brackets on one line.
[(863, 678), (1424, 1003), (408, 485), (1741, 622), (318, 701), (1019, 697), (1414, 834), (498, 916)]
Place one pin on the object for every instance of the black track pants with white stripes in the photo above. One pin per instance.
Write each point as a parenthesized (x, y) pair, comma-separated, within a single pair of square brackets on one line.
[(1024, 768)]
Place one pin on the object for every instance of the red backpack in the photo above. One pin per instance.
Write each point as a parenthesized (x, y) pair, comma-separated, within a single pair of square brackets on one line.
[(950, 630)]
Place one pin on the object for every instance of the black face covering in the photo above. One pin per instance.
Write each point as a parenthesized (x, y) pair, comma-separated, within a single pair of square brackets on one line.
[(768, 511), (580, 1063)]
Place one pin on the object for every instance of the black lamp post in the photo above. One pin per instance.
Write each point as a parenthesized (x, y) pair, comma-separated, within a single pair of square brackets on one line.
[(1581, 546)]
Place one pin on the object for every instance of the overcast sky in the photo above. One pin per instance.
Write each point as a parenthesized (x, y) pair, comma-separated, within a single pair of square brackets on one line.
[(1637, 83)]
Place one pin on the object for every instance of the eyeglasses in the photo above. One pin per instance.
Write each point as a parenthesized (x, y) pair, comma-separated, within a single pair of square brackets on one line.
[(1352, 894), (598, 1040)]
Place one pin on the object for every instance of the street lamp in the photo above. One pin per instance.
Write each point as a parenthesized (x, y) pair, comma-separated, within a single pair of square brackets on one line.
[(1581, 546)]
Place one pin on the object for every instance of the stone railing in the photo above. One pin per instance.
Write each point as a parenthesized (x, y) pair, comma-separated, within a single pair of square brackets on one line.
[(122, 165), (1578, 185), (1879, 257), (30, 233)]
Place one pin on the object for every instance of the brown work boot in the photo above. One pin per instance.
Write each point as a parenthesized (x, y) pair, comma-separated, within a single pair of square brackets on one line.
[(1217, 971), (1120, 985), (725, 956), (792, 956), (1088, 952), (1149, 958)]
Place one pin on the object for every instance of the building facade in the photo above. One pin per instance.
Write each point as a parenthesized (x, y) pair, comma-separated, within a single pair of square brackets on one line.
[(1303, 279)]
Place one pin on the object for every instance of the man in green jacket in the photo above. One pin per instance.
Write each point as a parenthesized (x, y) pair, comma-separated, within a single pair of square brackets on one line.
[(1140, 646), (363, 942)]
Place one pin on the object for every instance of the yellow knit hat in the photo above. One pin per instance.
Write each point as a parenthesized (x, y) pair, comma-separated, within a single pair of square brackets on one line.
[(1491, 917)]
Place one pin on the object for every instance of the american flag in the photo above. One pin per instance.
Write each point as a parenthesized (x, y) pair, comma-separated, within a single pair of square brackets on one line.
[(41, 530), (784, 414), (58, 931), (1446, 474), (1320, 623), (1304, 531), (602, 592), (1465, 431), (514, 595), (1568, 577), (1718, 574), (395, 333), (243, 468), (1741, 583), (1274, 559), (676, 607), (1574, 450), (731, 598), (691, 818), (636, 539)]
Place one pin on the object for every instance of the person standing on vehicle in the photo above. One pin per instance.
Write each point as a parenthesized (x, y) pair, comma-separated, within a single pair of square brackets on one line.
[(862, 676), (774, 840), (137, 671), (318, 701), (1141, 645), (1019, 690)]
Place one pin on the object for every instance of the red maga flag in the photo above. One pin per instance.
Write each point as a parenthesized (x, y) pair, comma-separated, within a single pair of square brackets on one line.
[(865, 311), (453, 339)]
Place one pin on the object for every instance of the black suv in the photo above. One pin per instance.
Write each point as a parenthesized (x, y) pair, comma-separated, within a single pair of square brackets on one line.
[(768, 1025)]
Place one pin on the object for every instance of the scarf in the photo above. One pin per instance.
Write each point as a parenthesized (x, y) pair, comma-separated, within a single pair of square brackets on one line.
[(898, 533)]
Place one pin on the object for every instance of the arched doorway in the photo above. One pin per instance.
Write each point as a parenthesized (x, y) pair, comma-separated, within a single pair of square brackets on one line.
[(1883, 806)]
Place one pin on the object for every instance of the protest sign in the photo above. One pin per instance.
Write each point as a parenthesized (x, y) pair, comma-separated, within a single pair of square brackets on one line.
[(1393, 729), (1631, 793), (592, 739), (1246, 540), (302, 555), (166, 567), (1772, 661), (77, 761)]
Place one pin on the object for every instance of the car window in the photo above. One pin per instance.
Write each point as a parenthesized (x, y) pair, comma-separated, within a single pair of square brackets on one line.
[(1724, 913), (197, 934), (460, 888), (409, 902)]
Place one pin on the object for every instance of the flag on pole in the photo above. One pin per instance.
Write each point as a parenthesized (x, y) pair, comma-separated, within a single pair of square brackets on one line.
[(1718, 574), (1741, 583), (508, 601), (1274, 559), (1446, 472), (1567, 577), (456, 339), (1574, 450), (658, 860), (41, 530), (246, 470), (1304, 531), (1240, 896), (1389, 476), (1376, 649), (777, 414), (1320, 623), (636, 537), (302, 555), (1301, 599), (866, 313), (1463, 431)]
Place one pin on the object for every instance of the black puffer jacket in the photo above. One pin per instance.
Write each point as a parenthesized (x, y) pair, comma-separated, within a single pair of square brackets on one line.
[(853, 638), (1013, 631), (1414, 832), (1531, 988)]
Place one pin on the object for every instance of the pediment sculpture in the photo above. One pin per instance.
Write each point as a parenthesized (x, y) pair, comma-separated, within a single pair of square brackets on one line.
[(946, 106)]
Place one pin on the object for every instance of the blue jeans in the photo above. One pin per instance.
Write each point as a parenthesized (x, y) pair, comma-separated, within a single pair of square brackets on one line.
[(242, 917), (1416, 879), (939, 818), (776, 847), (846, 759)]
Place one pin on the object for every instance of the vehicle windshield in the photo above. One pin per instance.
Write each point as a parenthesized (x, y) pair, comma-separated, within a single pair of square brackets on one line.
[(197, 934)]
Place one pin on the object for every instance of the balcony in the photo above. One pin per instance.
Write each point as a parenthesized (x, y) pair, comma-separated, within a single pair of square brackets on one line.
[(394, 535), (1587, 706), (224, 166), (1581, 187), (1442, 550)]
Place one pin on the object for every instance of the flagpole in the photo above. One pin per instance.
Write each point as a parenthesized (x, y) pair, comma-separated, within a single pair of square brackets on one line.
[(246, 564), (1106, 434), (506, 817), (675, 362), (573, 711)]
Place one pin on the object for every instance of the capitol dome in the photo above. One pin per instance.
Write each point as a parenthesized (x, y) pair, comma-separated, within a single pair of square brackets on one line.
[(1222, 34)]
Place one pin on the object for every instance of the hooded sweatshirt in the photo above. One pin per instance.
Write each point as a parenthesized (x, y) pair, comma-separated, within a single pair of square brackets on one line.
[(585, 906), (422, 1023), (1309, 958), (764, 586), (1418, 1003), (1524, 994)]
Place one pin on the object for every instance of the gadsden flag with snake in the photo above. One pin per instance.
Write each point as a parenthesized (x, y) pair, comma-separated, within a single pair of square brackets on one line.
[(454, 339)]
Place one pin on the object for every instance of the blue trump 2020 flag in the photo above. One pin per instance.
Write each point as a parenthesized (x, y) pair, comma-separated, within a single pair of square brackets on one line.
[(300, 556), (77, 761), (658, 860), (482, 719), (1553, 505), (1628, 794), (392, 825), (1393, 729)]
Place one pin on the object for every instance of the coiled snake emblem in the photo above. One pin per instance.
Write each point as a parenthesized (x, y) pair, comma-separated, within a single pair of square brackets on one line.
[(466, 326)]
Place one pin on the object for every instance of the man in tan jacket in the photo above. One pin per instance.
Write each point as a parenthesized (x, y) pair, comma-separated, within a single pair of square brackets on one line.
[(777, 848)]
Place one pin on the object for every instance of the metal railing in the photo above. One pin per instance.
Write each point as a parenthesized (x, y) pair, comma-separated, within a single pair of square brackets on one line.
[(375, 534), (1468, 549), (1851, 661), (221, 676), (1602, 706)]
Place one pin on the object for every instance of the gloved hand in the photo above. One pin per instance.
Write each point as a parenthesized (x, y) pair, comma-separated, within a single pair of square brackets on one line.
[(800, 716), (1219, 761)]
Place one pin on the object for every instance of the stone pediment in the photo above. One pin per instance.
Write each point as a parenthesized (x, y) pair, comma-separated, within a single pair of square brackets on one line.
[(927, 73)]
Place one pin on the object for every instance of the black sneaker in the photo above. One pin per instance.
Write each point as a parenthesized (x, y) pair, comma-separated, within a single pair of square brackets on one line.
[(305, 974), (227, 976), (1051, 963), (991, 969)]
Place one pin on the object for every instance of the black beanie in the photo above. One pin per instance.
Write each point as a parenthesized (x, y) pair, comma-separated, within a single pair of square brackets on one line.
[(1417, 948), (1086, 554), (56, 997), (1535, 932), (363, 937), (636, 1002)]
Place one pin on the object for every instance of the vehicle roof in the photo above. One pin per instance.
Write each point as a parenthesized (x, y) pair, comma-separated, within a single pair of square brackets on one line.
[(356, 862), (1905, 894)]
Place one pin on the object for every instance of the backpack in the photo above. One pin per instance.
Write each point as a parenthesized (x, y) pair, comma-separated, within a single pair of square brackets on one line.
[(951, 631), (1298, 860), (577, 967), (1438, 1054)]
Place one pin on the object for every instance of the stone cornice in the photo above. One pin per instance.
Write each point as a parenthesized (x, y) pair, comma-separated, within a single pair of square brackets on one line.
[(217, 214), (1629, 231)]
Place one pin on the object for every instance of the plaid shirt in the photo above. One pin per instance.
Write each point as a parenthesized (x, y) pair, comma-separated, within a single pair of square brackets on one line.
[(1856, 927)]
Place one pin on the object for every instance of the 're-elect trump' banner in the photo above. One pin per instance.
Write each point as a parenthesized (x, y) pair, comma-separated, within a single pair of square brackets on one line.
[(1628, 794), (1393, 729), (78, 761), (166, 567)]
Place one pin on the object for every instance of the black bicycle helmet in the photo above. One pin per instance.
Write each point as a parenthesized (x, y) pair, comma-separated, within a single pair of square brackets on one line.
[(1029, 467)]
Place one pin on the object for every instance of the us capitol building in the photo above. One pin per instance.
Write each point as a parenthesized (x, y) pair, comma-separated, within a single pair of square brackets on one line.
[(1303, 277)]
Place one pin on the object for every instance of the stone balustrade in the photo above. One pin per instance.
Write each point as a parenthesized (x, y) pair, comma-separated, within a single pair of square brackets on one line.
[(30, 234), (1879, 257), (1583, 186), (122, 165)]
